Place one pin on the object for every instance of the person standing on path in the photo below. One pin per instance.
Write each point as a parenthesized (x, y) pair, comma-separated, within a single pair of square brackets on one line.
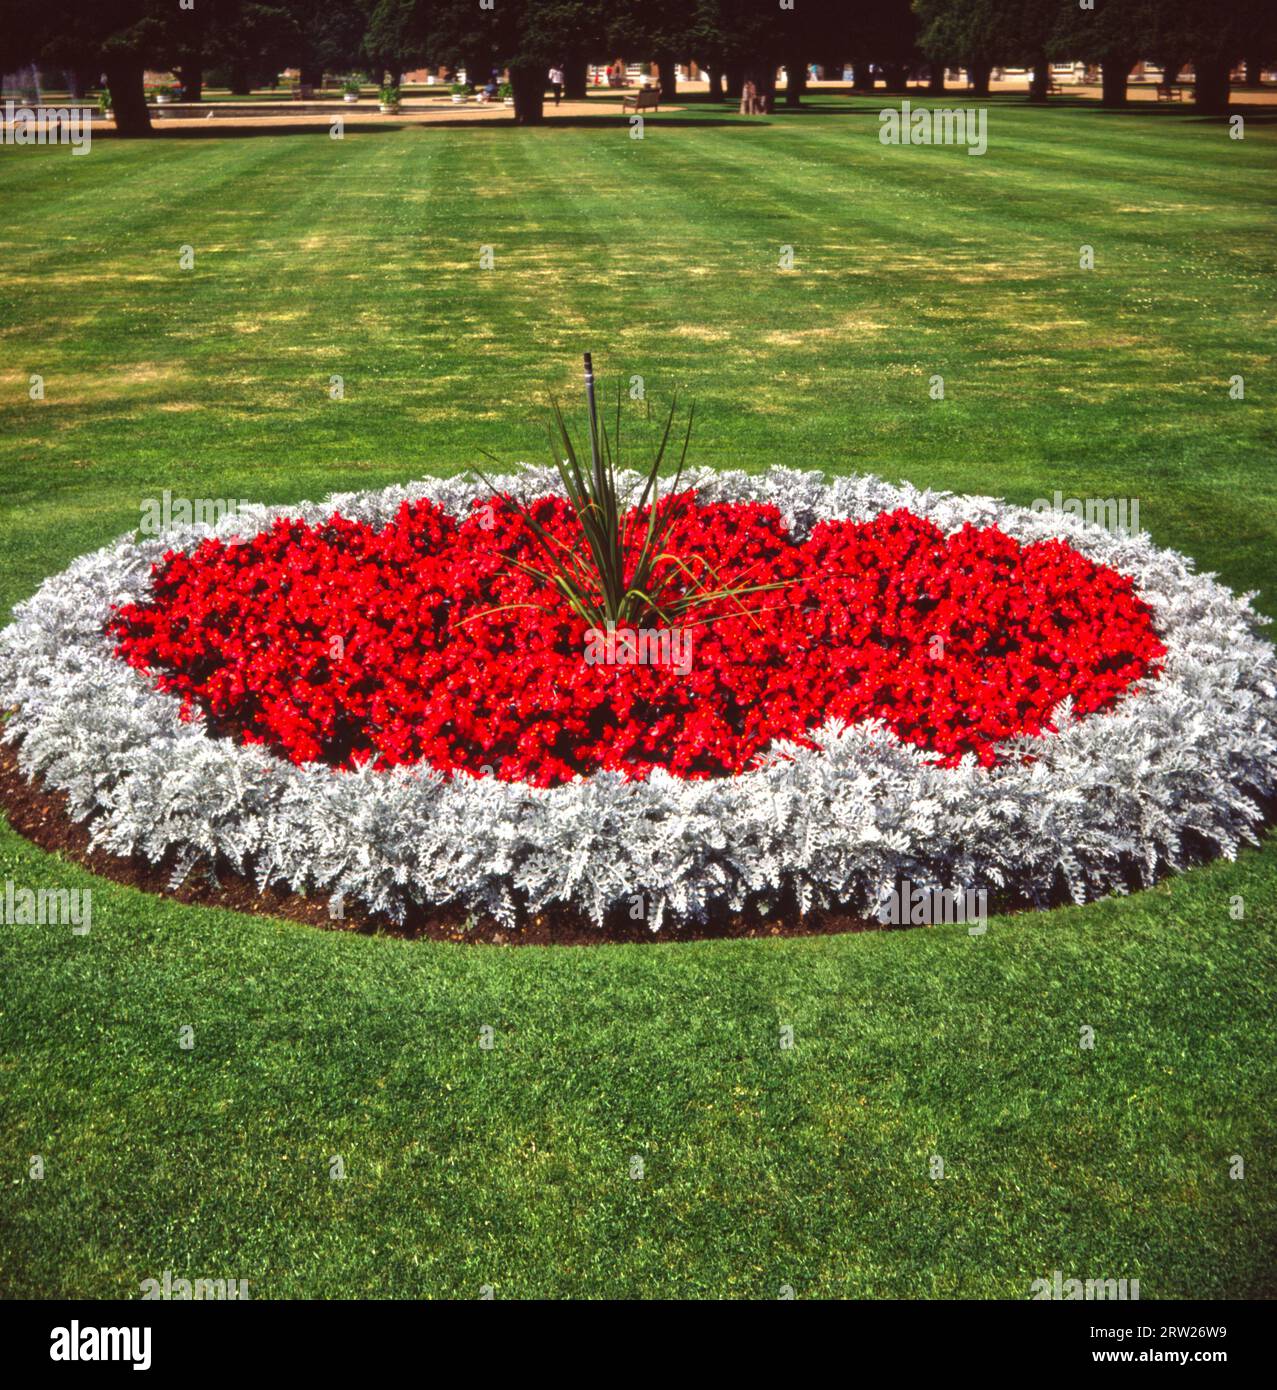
[(556, 81)]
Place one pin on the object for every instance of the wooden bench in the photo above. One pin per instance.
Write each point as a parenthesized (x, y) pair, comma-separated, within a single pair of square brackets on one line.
[(647, 100), (1167, 91)]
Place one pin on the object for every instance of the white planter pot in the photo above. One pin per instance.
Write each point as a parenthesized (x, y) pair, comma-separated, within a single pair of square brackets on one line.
[(507, 101), (162, 99), (457, 100), (350, 97), (388, 108)]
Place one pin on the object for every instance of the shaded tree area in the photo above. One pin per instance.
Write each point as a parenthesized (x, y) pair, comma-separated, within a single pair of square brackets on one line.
[(245, 42), (118, 40), (525, 37), (883, 43), (251, 51), (393, 41), (1111, 34), (331, 36)]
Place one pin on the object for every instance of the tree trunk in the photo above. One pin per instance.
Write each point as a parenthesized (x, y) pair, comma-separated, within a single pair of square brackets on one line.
[(1211, 90), (936, 85), (308, 75), (1254, 72), (765, 82), (1170, 70), (191, 71), (528, 84), (576, 77), (128, 99), (716, 83), (978, 78), (735, 75), (1040, 85), (795, 80), (667, 76), (896, 77), (240, 82), (862, 79), (1113, 74)]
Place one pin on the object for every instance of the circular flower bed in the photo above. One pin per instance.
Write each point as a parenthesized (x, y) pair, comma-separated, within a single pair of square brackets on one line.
[(368, 697)]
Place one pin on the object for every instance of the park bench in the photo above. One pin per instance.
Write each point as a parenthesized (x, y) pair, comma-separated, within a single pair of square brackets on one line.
[(646, 100), (1168, 91)]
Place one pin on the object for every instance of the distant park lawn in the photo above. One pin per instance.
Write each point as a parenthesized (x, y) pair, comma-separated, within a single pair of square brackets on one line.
[(762, 1167)]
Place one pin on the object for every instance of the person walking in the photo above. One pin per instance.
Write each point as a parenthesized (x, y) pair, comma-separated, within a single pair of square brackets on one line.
[(556, 81)]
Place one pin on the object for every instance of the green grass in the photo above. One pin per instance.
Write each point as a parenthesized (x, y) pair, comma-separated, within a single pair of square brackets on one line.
[(763, 1166)]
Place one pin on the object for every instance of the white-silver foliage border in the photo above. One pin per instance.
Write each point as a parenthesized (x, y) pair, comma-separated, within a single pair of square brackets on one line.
[(1107, 801)]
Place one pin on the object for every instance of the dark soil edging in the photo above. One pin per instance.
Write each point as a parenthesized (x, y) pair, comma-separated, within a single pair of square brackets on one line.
[(39, 813)]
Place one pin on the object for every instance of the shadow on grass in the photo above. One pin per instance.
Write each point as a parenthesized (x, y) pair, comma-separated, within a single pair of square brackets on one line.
[(224, 130), (700, 111)]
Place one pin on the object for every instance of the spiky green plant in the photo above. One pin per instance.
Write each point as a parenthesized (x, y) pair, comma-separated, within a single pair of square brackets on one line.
[(593, 576)]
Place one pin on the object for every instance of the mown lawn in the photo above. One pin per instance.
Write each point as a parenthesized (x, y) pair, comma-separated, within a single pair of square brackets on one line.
[(762, 1166)]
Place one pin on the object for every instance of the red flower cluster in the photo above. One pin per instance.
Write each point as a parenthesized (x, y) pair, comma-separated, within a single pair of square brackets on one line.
[(421, 641)]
